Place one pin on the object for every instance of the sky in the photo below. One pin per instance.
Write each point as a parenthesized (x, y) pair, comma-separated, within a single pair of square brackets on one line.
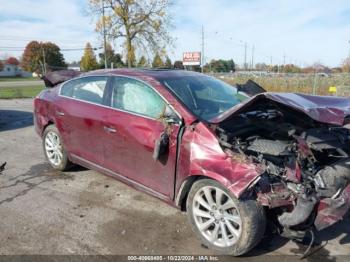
[(281, 31)]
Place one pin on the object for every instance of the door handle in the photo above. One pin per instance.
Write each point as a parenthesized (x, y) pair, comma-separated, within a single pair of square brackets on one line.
[(59, 113), (109, 129)]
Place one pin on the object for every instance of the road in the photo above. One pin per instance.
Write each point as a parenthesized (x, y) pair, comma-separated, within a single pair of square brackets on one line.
[(21, 83), (84, 212)]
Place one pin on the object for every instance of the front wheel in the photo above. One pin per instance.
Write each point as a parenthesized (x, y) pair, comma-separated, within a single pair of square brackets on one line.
[(221, 221), (54, 149)]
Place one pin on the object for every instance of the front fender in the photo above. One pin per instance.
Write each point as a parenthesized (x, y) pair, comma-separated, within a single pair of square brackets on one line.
[(202, 155)]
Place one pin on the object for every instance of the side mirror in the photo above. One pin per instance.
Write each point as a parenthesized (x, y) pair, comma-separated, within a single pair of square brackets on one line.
[(170, 116), (161, 146)]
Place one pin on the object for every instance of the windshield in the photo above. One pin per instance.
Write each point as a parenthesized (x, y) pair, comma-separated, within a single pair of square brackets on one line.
[(205, 96)]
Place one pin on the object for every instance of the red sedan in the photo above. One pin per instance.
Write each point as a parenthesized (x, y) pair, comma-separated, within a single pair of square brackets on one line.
[(232, 157)]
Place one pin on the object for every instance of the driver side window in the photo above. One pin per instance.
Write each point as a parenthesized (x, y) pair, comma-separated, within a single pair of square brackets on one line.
[(136, 97)]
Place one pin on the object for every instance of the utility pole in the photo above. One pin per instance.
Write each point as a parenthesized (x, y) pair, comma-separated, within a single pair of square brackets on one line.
[(315, 82), (253, 49), (245, 56), (104, 33), (44, 60), (202, 55)]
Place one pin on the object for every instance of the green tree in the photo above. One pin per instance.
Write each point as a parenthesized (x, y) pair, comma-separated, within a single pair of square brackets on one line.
[(112, 57), (88, 61), (274, 68), (178, 65), (261, 67), (41, 56), (142, 62), (221, 66), (230, 66), (142, 24), (290, 68), (168, 62), (118, 61), (53, 57), (157, 61)]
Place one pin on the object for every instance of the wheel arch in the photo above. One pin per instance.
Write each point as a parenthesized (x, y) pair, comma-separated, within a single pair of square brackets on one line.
[(186, 186), (48, 123)]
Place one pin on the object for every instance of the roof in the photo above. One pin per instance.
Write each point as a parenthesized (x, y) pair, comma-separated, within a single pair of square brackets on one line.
[(155, 73), (56, 77)]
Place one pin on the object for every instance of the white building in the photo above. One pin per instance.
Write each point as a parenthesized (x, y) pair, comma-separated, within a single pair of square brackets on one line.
[(10, 70)]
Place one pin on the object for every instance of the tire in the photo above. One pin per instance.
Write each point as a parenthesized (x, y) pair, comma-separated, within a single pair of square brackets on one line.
[(54, 150), (244, 221)]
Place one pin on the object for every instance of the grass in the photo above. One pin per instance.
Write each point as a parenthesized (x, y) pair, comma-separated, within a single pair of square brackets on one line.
[(297, 83), (20, 92), (17, 78)]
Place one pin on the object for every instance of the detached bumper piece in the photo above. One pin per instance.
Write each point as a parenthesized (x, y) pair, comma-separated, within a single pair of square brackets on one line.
[(332, 210), (2, 167)]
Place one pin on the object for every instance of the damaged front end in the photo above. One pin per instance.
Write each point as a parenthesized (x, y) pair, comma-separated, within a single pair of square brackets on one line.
[(304, 163)]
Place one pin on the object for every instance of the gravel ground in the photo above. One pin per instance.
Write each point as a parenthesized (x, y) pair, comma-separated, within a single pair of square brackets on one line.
[(83, 212)]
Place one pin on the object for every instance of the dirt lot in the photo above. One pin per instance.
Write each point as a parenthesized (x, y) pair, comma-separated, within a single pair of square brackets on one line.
[(84, 212)]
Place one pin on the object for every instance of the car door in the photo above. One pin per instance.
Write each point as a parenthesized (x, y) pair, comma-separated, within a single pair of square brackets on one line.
[(134, 115), (79, 117)]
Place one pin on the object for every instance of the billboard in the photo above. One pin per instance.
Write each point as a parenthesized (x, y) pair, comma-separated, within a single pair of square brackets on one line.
[(191, 58)]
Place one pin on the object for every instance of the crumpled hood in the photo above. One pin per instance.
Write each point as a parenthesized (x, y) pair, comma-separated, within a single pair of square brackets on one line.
[(325, 109)]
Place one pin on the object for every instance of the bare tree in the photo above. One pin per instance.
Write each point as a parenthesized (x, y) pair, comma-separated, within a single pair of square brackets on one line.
[(143, 24), (346, 65)]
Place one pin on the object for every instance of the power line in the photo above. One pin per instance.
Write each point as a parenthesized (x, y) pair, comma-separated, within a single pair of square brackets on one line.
[(34, 38), (238, 42), (4, 48)]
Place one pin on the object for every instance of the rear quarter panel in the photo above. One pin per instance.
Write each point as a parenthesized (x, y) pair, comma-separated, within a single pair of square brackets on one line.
[(44, 109)]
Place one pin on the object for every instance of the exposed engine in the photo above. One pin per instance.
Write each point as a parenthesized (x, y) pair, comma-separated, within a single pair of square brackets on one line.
[(301, 160)]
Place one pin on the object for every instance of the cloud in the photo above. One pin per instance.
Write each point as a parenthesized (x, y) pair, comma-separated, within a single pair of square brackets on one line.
[(64, 22), (301, 31)]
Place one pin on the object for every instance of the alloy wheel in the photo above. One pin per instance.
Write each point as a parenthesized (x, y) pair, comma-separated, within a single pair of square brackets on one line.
[(217, 216), (53, 148)]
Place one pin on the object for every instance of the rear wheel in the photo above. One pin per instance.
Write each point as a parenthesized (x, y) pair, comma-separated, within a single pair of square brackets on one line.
[(221, 221), (54, 149)]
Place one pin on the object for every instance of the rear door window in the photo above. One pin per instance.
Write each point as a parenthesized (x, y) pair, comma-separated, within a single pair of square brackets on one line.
[(136, 97), (89, 89)]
